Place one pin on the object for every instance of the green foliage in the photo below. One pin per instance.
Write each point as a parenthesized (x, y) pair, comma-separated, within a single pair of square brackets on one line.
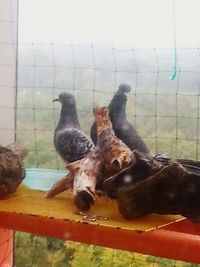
[(164, 130), (35, 251)]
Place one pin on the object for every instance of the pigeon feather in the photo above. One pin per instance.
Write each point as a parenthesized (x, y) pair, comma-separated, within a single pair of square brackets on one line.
[(70, 141), (121, 126)]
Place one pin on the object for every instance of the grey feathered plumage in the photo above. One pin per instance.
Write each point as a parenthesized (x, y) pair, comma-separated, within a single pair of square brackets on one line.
[(70, 141), (121, 126)]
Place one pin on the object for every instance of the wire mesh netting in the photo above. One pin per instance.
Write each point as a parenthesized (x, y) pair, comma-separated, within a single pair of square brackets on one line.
[(37, 251), (165, 113), (8, 34), (8, 49), (6, 247)]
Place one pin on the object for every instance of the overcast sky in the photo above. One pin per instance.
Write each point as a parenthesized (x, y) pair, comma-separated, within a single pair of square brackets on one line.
[(140, 23)]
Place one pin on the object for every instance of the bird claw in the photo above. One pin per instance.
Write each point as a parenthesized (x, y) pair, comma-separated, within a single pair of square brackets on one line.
[(91, 218)]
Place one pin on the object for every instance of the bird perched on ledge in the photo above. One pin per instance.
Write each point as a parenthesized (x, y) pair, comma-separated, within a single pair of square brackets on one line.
[(70, 141), (121, 126), (108, 158)]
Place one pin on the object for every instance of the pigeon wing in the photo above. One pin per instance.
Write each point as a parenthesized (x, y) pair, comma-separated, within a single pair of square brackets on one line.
[(72, 144)]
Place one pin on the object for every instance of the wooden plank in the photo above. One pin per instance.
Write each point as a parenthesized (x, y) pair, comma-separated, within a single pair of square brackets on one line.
[(159, 242), (165, 236), (33, 202)]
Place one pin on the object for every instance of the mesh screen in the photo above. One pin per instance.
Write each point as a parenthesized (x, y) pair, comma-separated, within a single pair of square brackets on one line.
[(8, 51), (31, 250), (6, 247), (165, 112)]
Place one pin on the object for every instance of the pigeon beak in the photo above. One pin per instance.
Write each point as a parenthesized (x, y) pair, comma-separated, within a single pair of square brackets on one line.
[(56, 100)]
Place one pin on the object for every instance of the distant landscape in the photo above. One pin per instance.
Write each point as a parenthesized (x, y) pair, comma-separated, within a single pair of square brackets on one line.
[(165, 113)]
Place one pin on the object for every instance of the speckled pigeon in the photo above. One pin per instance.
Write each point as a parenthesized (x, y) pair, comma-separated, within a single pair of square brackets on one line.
[(70, 141)]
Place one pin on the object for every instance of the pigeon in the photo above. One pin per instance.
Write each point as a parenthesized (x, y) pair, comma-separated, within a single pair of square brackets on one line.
[(70, 142), (121, 126)]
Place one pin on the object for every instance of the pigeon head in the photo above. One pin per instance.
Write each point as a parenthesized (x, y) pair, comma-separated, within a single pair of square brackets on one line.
[(66, 99), (123, 89), (118, 103), (68, 114)]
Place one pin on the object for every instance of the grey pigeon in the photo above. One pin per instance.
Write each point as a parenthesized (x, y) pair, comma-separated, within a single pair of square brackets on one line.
[(121, 126), (70, 141)]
